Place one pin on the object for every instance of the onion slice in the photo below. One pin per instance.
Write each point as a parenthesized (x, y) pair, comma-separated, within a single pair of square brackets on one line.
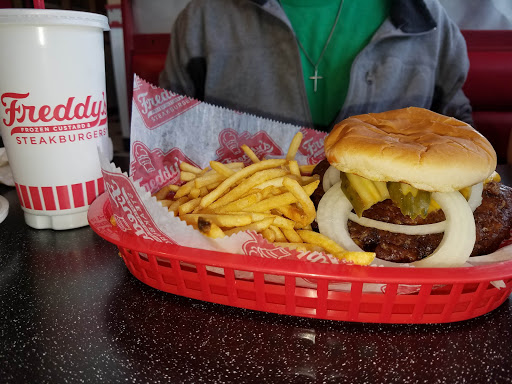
[(331, 177), (459, 236), (475, 199), (425, 229), (453, 251), (332, 217)]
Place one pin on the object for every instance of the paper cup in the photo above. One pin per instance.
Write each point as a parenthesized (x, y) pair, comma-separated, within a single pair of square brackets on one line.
[(53, 113)]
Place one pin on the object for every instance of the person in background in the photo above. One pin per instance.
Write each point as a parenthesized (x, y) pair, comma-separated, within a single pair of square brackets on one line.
[(316, 62)]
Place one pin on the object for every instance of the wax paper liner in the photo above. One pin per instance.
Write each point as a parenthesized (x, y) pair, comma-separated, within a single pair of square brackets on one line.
[(167, 129)]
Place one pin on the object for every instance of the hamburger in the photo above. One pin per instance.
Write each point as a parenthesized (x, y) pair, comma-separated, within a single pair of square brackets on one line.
[(413, 186)]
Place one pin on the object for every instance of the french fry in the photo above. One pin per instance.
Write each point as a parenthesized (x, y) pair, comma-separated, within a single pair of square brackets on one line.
[(294, 168), (291, 235), (359, 258), (209, 229), (250, 154), (257, 226), (284, 223), (189, 206), (240, 204), (255, 216), (277, 182), (272, 202), (303, 198), (279, 236), (330, 246), (164, 191), (186, 167), (245, 172), (246, 185), (195, 193), (281, 200), (294, 146), (221, 169), (322, 241), (295, 214), (208, 178), (309, 179), (269, 235), (235, 165), (176, 204), (184, 190), (166, 203), (211, 187), (222, 220), (306, 169), (269, 191), (187, 176), (301, 246), (326, 243), (311, 187)]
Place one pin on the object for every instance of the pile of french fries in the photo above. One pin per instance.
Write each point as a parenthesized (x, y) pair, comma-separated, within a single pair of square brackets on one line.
[(270, 197)]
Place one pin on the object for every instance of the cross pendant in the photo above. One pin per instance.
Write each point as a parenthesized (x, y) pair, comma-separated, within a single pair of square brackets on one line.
[(315, 78)]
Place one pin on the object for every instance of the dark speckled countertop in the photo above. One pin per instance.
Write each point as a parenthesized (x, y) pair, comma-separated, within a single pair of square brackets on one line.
[(71, 312)]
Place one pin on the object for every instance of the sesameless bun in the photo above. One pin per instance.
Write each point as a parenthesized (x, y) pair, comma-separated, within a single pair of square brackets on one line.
[(416, 146)]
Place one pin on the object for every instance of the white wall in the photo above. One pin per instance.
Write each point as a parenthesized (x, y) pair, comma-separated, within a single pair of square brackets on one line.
[(156, 16), (480, 14)]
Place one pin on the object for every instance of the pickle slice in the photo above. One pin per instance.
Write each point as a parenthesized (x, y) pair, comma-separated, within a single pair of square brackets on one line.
[(412, 202), (362, 192), (466, 192)]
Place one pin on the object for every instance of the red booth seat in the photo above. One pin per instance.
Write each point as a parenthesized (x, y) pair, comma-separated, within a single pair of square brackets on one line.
[(489, 85)]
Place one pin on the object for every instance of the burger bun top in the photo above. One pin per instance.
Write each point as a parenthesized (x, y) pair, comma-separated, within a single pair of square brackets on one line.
[(413, 145)]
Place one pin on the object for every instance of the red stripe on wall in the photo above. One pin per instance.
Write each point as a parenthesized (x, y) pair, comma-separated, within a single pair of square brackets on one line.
[(36, 198), (49, 200), (24, 193), (78, 195), (63, 197), (90, 187)]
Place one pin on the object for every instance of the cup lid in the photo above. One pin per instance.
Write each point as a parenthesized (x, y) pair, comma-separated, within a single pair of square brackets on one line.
[(52, 17)]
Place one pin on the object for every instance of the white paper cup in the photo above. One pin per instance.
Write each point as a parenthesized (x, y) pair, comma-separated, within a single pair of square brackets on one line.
[(53, 113)]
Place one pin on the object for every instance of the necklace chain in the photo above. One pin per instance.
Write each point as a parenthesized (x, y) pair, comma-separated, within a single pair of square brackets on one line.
[(316, 77)]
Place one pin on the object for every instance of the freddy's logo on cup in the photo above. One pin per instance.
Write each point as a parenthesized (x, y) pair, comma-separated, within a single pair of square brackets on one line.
[(28, 121)]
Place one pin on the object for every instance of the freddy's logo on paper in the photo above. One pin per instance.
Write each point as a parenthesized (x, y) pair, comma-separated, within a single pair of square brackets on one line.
[(157, 106), (230, 142), (61, 123), (258, 246), (312, 145), (130, 213), (155, 168)]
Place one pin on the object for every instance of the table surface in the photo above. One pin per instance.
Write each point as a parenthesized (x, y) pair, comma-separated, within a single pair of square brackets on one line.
[(71, 312)]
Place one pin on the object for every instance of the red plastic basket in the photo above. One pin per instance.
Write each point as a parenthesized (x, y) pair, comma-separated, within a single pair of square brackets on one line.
[(441, 295)]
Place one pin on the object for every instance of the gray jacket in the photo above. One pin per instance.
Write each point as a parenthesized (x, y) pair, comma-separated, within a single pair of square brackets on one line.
[(242, 54)]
